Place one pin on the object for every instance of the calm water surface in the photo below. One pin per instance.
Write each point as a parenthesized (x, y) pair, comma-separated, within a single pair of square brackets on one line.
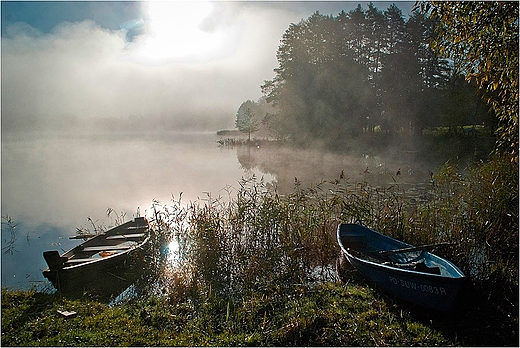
[(52, 183)]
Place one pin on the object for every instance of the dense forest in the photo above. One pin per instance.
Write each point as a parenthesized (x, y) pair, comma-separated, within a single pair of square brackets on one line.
[(365, 72)]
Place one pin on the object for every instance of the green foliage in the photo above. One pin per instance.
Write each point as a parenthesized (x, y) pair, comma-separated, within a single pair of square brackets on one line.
[(348, 75), (482, 39), (246, 120), (460, 107)]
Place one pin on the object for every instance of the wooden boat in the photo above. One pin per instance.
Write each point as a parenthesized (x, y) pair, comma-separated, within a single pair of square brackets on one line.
[(103, 265), (400, 269)]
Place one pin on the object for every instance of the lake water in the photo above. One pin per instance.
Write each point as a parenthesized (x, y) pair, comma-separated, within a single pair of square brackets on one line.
[(51, 184)]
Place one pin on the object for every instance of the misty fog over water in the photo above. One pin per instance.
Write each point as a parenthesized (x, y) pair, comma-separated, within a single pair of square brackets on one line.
[(51, 184)]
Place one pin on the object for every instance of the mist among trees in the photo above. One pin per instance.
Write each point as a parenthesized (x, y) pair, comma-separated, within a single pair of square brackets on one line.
[(364, 72)]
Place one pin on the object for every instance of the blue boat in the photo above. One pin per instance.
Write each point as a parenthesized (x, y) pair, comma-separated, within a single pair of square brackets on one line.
[(402, 270)]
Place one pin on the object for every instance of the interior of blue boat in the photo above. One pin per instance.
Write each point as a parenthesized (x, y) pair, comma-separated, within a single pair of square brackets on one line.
[(418, 260), (373, 246)]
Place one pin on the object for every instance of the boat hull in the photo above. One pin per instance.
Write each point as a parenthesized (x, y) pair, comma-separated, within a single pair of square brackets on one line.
[(101, 278), (435, 291), (83, 270)]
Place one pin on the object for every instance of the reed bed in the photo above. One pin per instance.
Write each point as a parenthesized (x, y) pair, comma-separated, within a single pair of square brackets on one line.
[(256, 239)]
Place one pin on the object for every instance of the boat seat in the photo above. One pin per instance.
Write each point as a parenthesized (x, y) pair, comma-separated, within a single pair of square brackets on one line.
[(126, 236), (53, 259), (137, 227), (69, 261), (108, 247)]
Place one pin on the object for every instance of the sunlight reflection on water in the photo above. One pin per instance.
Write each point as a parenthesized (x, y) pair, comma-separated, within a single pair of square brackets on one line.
[(172, 249)]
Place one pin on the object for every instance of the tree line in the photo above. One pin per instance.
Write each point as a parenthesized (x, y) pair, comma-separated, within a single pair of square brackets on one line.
[(365, 71)]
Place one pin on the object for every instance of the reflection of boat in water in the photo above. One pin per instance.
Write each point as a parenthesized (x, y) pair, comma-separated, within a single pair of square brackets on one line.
[(104, 265), (400, 269)]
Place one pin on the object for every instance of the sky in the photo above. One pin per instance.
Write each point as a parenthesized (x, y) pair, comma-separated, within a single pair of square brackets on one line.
[(190, 63)]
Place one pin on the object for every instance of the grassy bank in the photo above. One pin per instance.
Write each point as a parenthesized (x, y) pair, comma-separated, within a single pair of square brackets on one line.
[(256, 268), (326, 314)]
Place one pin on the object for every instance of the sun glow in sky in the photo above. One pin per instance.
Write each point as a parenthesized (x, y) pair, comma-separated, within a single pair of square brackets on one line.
[(176, 30), (193, 63)]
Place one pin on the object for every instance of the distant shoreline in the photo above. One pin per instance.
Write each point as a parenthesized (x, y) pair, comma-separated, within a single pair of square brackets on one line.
[(228, 132)]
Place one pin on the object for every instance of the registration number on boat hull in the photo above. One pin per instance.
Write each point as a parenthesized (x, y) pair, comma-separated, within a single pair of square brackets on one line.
[(432, 289)]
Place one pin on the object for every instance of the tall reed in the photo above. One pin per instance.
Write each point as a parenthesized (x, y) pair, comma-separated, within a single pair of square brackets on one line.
[(258, 240)]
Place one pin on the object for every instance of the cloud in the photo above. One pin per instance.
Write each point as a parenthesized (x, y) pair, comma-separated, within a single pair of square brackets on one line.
[(81, 72)]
